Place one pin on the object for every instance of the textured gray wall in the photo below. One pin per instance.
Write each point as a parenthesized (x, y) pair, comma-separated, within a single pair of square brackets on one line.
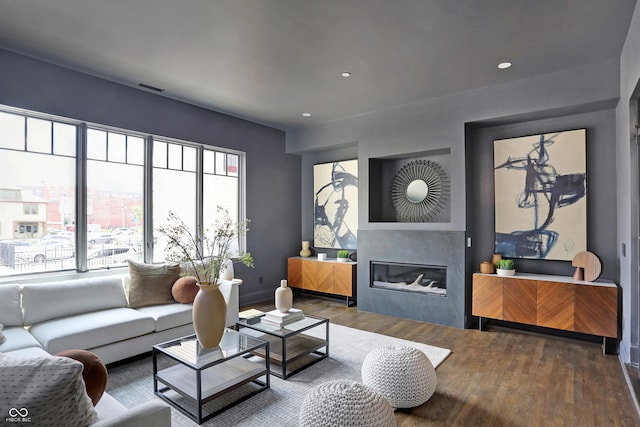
[(273, 177)]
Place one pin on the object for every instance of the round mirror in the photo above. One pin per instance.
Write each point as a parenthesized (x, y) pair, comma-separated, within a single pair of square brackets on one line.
[(417, 191)]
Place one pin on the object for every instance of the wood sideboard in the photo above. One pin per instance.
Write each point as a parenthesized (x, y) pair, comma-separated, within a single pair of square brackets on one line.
[(549, 301), (328, 276)]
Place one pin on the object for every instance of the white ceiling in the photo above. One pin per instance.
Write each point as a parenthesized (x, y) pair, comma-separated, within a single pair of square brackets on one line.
[(271, 60)]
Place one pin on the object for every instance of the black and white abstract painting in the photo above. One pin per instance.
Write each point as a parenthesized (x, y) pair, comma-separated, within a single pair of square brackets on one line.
[(335, 187), (540, 195)]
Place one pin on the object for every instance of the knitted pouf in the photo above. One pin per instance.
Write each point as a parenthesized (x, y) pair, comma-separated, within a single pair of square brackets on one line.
[(347, 404), (403, 375)]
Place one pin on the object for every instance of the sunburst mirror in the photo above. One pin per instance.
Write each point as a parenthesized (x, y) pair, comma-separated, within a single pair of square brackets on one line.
[(419, 191)]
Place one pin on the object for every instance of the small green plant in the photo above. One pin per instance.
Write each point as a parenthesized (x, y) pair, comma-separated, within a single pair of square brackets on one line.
[(506, 264), (343, 254)]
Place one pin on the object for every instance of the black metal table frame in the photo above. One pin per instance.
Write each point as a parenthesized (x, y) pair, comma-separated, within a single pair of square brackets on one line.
[(198, 418), (284, 375)]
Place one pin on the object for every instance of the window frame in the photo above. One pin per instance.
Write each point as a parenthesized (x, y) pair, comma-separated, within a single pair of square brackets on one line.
[(81, 158)]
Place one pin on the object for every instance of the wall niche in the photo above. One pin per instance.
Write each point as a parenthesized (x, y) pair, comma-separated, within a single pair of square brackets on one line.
[(412, 187)]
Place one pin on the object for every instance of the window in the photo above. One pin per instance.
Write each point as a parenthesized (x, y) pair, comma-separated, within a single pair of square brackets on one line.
[(176, 169), (115, 184), (40, 193), (37, 157)]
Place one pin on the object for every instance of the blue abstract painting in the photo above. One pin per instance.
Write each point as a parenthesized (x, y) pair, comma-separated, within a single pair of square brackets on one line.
[(540, 195), (335, 205)]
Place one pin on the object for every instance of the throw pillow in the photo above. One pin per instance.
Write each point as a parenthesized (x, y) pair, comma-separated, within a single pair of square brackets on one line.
[(94, 373), (150, 284), (184, 290), (2, 337), (48, 391)]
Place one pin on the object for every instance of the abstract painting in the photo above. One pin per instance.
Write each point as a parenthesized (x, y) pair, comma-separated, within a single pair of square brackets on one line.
[(335, 211), (540, 195)]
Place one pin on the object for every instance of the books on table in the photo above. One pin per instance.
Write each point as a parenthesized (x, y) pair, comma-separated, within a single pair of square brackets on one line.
[(251, 316), (276, 318)]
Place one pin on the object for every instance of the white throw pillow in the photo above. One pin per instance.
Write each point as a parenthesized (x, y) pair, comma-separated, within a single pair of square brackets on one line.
[(46, 391)]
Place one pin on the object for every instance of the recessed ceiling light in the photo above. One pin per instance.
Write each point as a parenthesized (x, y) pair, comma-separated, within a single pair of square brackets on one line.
[(504, 65), (306, 114), (345, 74)]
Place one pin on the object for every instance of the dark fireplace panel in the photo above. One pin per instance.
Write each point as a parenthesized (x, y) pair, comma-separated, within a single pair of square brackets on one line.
[(427, 279)]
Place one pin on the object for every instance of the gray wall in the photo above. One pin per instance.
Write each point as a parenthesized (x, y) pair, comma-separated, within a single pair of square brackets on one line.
[(273, 177), (582, 97), (601, 178), (627, 190)]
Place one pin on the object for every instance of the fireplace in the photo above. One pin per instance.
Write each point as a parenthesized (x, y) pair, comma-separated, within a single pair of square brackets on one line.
[(401, 256), (427, 279)]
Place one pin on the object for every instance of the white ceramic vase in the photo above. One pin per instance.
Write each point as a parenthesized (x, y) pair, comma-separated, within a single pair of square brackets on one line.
[(209, 315), (284, 297), (226, 270)]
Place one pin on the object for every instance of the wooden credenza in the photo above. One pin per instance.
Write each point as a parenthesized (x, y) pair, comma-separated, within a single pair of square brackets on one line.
[(328, 276), (550, 301)]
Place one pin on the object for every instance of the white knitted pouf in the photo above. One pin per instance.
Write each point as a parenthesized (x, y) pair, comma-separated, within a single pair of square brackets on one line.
[(345, 403), (404, 375)]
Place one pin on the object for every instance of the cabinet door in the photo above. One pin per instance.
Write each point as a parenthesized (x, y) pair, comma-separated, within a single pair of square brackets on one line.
[(520, 301), (343, 279), (487, 296), (596, 310), (309, 274), (555, 305), (324, 278), (294, 272)]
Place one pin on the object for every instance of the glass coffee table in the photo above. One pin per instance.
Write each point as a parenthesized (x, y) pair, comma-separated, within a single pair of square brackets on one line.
[(188, 376), (293, 347)]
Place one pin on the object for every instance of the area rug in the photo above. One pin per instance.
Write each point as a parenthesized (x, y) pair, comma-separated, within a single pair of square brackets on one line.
[(131, 383)]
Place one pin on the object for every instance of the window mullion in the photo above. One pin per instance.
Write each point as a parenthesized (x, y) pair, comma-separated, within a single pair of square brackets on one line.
[(148, 200), (81, 198)]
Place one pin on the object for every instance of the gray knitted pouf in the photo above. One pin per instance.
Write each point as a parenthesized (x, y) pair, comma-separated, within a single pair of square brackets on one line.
[(345, 403), (404, 375)]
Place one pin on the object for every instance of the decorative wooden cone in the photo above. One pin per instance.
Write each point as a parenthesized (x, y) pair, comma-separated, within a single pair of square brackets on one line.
[(209, 315)]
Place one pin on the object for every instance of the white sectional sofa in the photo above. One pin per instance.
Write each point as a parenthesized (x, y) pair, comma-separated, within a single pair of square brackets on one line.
[(93, 314)]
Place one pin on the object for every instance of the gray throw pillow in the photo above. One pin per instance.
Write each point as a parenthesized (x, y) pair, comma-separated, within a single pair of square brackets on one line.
[(2, 337), (150, 284)]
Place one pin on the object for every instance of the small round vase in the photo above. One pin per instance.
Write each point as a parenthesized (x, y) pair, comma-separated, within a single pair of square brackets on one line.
[(209, 315), (305, 252), (284, 297)]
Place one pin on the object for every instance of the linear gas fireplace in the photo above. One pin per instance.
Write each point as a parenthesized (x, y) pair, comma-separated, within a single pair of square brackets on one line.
[(414, 274), (427, 279)]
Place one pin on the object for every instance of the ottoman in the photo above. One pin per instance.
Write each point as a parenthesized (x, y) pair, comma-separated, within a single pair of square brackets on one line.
[(404, 375), (345, 403)]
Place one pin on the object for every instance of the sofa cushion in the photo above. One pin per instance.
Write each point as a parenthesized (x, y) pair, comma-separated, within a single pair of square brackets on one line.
[(91, 330), (10, 311), (150, 284), (94, 373), (169, 316), (49, 390), (46, 301), (17, 337), (184, 290)]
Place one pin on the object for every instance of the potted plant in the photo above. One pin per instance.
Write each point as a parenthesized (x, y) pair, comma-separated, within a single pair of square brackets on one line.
[(204, 254), (506, 267), (343, 256)]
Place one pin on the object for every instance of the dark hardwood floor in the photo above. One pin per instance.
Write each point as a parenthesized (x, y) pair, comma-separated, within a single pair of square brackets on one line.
[(501, 377)]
